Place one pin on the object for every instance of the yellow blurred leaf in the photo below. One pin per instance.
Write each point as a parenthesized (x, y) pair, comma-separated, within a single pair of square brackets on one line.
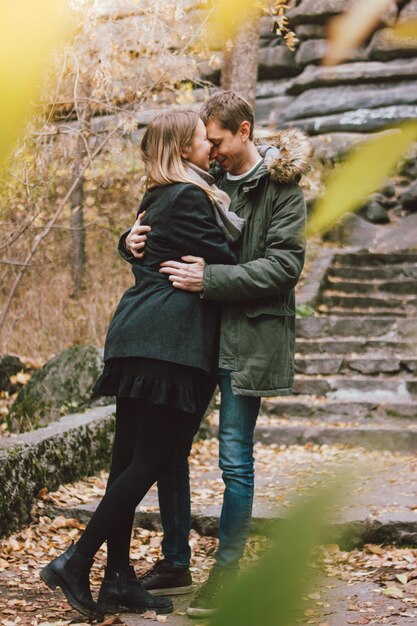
[(361, 174), (348, 30), (28, 32), (404, 30), (227, 17)]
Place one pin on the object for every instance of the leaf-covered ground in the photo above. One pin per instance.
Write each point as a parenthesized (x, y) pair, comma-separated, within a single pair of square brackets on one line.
[(25, 600), (283, 473), (376, 585)]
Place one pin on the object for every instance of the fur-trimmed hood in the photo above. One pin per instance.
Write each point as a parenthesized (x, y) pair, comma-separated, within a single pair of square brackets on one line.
[(287, 154)]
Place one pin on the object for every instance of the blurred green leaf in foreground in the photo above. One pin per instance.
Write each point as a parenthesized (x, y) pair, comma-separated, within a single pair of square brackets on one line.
[(270, 593), (363, 172)]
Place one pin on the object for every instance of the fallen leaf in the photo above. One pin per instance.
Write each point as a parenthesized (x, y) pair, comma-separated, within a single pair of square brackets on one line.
[(393, 592), (402, 578), (374, 549), (314, 596), (61, 623), (20, 378)]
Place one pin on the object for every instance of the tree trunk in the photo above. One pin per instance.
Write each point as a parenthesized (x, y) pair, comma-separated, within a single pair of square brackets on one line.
[(240, 70), (79, 256)]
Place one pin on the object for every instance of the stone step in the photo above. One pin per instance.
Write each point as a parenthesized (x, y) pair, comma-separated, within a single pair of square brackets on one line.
[(371, 273), (359, 72), (354, 407), (381, 437), (328, 364), (379, 433), (369, 259), (399, 389), (324, 101), (367, 119), (403, 286), (376, 508), (325, 309), (354, 326), (338, 299), (350, 346)]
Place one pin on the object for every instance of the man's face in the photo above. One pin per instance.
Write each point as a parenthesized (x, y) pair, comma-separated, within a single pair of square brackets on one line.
[(228, 150)]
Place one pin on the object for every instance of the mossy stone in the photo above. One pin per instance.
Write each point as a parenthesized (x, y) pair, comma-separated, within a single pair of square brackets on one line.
[(63, 385)]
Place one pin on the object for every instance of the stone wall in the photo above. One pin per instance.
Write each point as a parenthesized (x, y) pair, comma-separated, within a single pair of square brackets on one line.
[(375, 87), (67, 450)]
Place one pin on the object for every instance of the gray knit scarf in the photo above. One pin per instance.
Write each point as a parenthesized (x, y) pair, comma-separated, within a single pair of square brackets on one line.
[(229, 222)]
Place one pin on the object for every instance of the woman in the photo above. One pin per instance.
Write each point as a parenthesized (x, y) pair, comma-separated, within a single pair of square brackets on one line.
[(160, 354)]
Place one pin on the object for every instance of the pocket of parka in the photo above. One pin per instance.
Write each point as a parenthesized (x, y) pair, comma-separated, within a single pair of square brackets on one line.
[(271, 307)]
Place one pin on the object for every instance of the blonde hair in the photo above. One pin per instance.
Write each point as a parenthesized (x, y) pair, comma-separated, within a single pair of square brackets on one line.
[(165, 138)]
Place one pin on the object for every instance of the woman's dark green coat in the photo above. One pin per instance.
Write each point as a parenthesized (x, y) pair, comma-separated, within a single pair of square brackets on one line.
[(153, 320)]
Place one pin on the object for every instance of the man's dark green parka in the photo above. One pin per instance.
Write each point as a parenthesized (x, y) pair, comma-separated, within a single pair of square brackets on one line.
[(258, 311)]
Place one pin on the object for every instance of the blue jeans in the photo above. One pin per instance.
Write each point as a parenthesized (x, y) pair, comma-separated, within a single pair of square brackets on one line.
[(238, 416)]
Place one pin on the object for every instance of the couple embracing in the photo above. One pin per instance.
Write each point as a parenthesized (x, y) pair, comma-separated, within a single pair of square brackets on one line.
[(216, 257)]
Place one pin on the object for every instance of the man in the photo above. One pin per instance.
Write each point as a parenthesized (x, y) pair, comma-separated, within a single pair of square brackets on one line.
[(257, 330)]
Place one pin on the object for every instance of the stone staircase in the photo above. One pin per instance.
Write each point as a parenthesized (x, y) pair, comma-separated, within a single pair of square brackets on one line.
[(356, 360), (371, 284)]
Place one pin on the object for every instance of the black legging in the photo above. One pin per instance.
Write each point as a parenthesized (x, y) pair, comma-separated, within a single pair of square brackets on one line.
[(147, 440)]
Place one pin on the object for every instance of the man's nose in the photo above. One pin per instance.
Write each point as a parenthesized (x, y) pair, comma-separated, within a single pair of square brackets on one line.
[(213, 153)]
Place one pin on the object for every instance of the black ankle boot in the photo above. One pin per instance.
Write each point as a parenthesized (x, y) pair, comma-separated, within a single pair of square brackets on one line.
[(121, 592), (70, 571)]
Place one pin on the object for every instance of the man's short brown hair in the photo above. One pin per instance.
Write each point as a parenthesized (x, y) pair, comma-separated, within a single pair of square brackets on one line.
[(229, 110)]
